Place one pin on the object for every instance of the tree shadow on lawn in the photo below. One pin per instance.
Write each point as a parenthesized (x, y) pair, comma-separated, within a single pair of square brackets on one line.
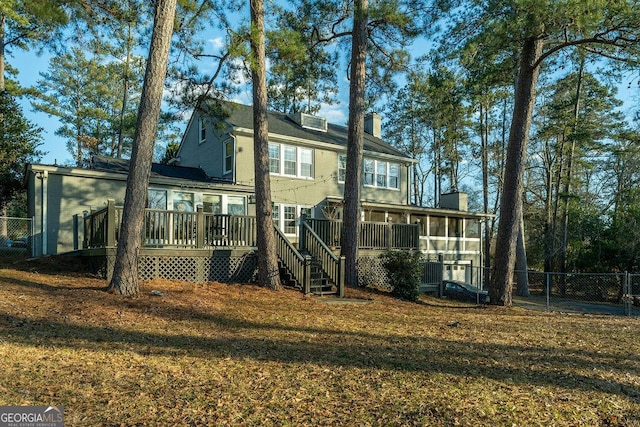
[(239, 338), (514, 364)]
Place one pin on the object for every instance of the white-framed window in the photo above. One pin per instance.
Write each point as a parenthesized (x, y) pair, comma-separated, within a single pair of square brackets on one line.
[(381, 174), (274, 158), (202, 130), (228, 156), (394, 175), (286, 217), (342, 167), (156, 199), (369, 170), (289, 219), (183, 201), (212, 203), (289, 160)]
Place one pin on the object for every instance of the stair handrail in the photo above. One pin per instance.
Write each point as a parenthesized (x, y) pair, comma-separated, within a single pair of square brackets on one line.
[(331, 264), (298, 265)]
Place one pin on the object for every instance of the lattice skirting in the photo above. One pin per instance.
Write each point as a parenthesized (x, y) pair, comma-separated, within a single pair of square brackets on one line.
[(226, 267), (235, 267), (371, 273), (229, 269)]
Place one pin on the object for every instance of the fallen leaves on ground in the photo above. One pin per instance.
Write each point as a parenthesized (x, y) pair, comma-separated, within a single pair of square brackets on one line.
[(220, 354)]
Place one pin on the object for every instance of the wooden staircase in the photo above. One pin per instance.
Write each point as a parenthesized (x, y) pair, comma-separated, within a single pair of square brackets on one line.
[(311, 267), (320, 284)]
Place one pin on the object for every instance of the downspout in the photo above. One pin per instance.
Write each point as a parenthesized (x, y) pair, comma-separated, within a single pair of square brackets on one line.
[(408, 166), (43, 210), (234, 162)]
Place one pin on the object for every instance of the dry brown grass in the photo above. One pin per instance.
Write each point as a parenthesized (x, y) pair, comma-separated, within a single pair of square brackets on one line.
[(220, 354)]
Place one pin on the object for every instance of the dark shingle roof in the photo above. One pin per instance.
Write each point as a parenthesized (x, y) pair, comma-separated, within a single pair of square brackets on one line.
[(279, 123), (110, 164)]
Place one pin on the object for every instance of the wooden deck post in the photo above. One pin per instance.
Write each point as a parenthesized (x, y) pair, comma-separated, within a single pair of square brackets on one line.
[(111, 223), (307, 275), (341, 278), (199, 227)]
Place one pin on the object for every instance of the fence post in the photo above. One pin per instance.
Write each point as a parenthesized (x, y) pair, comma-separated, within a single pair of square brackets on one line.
[(389, 235), (440, 284), (626, 285), (111, 223), (199, 227), (548, 283)]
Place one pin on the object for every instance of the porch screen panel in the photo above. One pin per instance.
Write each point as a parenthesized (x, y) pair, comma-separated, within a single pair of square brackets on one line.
[(437, 226), (473, 229)]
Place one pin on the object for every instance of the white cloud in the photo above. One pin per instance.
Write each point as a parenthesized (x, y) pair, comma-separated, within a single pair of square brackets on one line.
[(217, 43), (336, 114)]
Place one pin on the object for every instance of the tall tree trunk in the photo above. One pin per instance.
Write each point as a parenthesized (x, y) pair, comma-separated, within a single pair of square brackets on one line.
[(125, 92), (3, 208), (522, 276), (2, 44), (125, 271), (548, 225), (511, 203), (484, 149), (355, 142), (268, 273), (569, 175)]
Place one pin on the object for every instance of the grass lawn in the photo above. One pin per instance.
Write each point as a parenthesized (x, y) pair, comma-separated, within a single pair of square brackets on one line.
[(219, 354)]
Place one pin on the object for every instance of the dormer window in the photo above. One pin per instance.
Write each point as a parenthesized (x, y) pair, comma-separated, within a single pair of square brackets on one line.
[(308, 121)]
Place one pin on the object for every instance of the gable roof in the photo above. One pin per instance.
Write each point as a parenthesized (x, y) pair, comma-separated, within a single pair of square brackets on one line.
[(110, 164), (241, 116)]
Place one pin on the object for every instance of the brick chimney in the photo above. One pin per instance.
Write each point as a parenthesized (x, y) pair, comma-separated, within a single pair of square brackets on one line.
[(373, 124)]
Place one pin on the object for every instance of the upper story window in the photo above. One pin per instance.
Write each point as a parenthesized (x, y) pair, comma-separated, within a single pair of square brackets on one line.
[(290, 160), (228, 156), (375, 173), (342, 167), (202, 130)]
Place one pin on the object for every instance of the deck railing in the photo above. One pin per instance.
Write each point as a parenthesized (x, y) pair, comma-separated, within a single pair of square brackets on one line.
[(373, 235), (172, 229), (298, 265)]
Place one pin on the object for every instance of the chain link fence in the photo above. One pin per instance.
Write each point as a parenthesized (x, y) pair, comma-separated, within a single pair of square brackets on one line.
[(633, 296), (597, 293), (15, 237)]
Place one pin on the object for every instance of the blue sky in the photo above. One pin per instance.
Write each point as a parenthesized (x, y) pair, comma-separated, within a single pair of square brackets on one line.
[(30, 65)]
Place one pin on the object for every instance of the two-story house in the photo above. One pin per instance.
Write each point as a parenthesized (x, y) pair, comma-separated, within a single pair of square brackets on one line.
[(307, 159), (213, 174)]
